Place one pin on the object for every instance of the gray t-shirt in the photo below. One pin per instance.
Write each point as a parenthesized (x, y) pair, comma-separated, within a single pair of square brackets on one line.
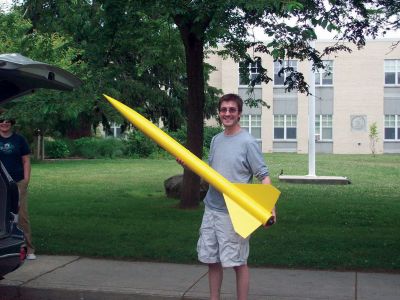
[(236, 157)]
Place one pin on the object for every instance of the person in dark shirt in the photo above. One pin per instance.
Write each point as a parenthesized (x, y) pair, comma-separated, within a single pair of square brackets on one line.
[(15, 156)]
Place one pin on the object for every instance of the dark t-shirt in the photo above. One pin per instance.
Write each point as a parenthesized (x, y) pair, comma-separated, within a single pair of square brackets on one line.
[(11, 151)]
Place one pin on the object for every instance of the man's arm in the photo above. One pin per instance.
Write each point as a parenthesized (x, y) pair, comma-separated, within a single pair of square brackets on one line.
[(267, 180), (26, 162)]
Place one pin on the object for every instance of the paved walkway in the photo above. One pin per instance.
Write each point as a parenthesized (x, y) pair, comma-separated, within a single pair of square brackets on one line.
[(72, 277)]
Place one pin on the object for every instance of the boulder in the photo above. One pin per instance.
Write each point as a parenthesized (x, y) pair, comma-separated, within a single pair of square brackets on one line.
[(173, 187)]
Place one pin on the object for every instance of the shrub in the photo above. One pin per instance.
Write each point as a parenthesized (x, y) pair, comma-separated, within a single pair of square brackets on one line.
[(136, 145), (209, 132), (139, 145), (111, 147), (373, 137), (93, 147), (56, 149), (86, 147), (179, 135)]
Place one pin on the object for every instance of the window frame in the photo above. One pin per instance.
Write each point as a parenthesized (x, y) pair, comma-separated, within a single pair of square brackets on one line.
[(320, 73), (286, 63), (324, 124), (250, 66), (396, 72), (293, 119), (251, 124), (396, 128)]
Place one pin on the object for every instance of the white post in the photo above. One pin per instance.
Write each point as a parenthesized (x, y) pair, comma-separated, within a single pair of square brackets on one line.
[(311, 121)]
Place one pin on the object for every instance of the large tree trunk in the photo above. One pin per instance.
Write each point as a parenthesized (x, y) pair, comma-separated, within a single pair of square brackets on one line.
[(84, 129), (190, 196)]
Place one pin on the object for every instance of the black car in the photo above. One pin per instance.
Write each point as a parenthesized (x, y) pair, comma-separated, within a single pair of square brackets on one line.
[(12, 249), (20, 76)]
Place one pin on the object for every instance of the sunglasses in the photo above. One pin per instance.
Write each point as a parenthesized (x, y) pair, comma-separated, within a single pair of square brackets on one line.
[(231, 110), (5, 121)]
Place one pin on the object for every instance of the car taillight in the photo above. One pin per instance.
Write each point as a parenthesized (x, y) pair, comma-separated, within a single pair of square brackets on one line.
[(22, 254)]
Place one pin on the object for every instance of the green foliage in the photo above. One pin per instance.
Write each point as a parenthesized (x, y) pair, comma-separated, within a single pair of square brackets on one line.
[(179, 135), (92, 147), (139, 145), (56, 149), (209, 132), (111, 147), (123, 52), (373, 130), (12, 32), (85, 147), (373, 137), (46, 110), (133, 57), (136, 145)]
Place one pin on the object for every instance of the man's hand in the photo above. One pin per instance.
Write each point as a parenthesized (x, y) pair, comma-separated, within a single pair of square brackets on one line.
[(179, 161), (271, 221)]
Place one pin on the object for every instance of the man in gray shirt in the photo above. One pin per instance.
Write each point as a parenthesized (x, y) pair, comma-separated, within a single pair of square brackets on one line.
[(235, 154)]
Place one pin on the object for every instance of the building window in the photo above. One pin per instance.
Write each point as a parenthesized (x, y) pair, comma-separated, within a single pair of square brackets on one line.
[(279, 79), (325, 76), (249, 72), (392, 71), (323, 127), (392, 127), (285, 127), (252, 123)]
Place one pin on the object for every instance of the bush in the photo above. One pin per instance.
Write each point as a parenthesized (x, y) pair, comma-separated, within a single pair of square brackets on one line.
[(139, 145), (209, 133), (179, 135), (92, 147), (56, 149), (111, 147), (136, 145)]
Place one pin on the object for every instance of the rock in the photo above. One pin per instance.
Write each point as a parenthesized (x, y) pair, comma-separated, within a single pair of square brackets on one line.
[(173, 187)]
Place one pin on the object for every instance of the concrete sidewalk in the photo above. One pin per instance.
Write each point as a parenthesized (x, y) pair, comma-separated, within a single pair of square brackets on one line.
[(72, 277)]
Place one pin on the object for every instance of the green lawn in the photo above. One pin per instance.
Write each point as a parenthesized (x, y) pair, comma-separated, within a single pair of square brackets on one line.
[(117, 209)]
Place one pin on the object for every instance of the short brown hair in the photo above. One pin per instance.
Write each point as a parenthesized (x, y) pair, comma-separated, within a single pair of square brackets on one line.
[(11, 121), (231, 97)]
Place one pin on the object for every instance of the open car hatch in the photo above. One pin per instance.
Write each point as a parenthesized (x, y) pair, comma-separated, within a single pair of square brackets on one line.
[(20, 76)]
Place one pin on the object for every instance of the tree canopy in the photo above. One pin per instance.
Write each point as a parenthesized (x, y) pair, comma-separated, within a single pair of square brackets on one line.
[(114, 48)]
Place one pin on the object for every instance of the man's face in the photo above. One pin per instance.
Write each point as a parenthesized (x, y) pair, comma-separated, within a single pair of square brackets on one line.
[(5, 125), (229, 114)]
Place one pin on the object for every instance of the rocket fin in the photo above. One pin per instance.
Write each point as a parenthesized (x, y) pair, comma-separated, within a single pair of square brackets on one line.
[(264, 194), (244, 222)]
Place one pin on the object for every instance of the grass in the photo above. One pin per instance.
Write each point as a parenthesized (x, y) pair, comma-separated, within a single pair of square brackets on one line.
[(118, 209)]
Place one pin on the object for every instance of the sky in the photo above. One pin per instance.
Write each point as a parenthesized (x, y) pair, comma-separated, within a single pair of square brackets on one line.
[(5, 3), (325, 35)]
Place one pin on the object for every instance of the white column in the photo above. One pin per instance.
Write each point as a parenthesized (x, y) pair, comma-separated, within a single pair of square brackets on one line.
[(311, 120)]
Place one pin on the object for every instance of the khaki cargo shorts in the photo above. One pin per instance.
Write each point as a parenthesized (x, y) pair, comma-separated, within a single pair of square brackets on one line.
[(218, 241)]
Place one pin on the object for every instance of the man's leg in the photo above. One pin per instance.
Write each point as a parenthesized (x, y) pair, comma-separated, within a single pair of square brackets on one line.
[(242, 281), (23, 216), (215, 275)]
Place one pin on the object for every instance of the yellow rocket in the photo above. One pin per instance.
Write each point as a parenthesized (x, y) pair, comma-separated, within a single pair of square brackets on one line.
[(249, 205)]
